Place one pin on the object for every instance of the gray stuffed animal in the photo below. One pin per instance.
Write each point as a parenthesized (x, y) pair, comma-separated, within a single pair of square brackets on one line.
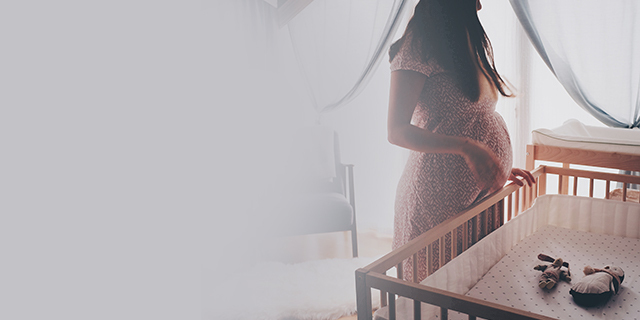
[(552, 273), (598, 285)]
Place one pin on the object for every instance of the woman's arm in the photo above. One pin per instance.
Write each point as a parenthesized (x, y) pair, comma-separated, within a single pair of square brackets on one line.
[(406, 87)]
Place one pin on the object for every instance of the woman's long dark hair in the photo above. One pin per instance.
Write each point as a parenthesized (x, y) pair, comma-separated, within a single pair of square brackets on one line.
[(439, 30)]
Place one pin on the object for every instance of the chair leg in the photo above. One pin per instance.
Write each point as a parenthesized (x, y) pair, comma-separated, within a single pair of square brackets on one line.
[(354, 242)]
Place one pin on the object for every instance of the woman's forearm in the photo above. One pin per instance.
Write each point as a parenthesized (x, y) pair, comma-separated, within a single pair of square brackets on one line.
[(403, 98), (481, 160), (418, 139)]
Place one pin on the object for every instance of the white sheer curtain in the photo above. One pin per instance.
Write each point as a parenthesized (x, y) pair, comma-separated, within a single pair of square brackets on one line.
[(339, 44), (263, 91), (593, 49)]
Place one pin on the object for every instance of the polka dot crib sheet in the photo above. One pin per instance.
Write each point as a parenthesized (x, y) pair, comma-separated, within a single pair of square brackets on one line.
[(513, 281)]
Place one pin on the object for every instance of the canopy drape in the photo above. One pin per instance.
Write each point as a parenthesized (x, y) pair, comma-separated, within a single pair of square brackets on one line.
[(593, 49), (339, 44)]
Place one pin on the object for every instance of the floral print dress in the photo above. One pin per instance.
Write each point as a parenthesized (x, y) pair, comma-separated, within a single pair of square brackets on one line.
[(434, 187)]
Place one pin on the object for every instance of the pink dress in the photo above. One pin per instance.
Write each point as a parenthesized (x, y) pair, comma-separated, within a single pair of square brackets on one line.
[(434, 187)]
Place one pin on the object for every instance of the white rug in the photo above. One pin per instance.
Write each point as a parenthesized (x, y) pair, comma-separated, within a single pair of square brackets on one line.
[(314, 290)]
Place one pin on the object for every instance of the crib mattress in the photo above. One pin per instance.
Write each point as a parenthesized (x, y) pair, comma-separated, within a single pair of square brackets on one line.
[(574, 134), (513, 282), (499, 268)]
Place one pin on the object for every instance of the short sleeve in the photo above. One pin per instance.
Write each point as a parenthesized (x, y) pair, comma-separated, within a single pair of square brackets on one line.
[(408, 59)]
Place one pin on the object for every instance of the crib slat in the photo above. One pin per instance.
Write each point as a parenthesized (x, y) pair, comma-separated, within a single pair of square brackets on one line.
[(430, 261), (416, 310), (575, 185), (530, 193), (509, 205), (530, 196), (624, 192), (487, 222), (465, 236), (484, 223), (591, 183), (383, 299), (606, 189), (491, 212), (521, 204), (399, 270), (499, 213), (516, 209), (454, 242), (494, 217), (472, 317), (414, 273), (383, 296), (542, 184), (444, 313), (392, 306), (441, 252), (500, 210), (564, 181), (474, 230), (560, 183), (490, 220)]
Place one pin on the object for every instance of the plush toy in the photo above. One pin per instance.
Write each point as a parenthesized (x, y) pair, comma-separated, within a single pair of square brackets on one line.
[(597, 286), (552, 273)]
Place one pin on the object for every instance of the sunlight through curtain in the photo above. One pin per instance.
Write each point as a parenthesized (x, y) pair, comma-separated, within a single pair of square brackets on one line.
[(593, 49), (339, 44)]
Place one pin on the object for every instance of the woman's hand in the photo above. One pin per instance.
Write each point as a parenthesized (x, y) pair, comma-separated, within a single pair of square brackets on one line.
[(486, 168), (528, 177), (484, 165)]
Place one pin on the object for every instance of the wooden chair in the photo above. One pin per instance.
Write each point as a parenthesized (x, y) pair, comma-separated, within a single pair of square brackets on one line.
[(320, 203)]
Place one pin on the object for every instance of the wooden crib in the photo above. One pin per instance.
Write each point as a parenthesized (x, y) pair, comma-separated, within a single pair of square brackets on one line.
[(499, 207)]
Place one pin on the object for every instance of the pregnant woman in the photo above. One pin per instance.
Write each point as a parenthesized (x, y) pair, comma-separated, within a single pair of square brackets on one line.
[(444, 89)]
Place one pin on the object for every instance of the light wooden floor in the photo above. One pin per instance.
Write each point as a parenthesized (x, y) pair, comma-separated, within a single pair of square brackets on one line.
[(325, 246)]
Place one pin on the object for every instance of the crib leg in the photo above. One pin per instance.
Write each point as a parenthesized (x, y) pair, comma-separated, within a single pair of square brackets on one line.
[(363, 296), (392, 306)]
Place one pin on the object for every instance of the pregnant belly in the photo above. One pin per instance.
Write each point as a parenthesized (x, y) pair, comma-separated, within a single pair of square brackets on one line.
[(488, 129)]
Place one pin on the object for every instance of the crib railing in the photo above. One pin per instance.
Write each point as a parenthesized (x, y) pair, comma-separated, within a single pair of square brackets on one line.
[(484, 217), (571, 176)]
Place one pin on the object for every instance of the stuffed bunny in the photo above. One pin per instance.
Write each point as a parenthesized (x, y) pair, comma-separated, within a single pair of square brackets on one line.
[(552, 273), (597, 286)]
